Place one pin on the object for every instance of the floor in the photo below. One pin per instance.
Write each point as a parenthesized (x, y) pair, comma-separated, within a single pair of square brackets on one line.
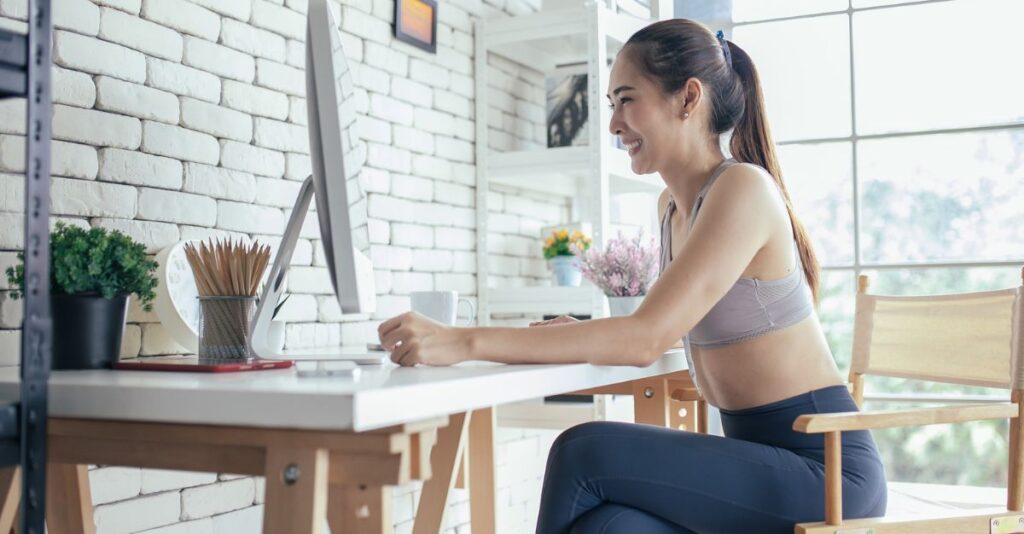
[(911, 501)]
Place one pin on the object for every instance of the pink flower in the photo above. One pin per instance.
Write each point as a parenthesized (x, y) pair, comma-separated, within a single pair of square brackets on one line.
[(625, 268)]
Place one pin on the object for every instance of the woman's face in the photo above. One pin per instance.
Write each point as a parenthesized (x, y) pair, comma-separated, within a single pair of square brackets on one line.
[(646, 120)]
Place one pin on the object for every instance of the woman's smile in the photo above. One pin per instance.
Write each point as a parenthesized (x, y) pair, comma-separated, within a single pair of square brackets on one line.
[(634, 146)]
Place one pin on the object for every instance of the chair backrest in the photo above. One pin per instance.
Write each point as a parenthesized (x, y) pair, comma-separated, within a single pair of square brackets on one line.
[(966, 338)]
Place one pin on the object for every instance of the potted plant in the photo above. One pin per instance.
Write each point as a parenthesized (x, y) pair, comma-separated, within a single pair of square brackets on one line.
[(276, 333), (92, 273), (558, 250), (624, 271)]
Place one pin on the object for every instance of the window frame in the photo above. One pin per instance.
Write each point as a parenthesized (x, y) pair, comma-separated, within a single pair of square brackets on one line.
[(858, 266)]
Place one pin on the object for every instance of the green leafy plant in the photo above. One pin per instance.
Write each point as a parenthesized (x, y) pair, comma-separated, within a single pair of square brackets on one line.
[(94, 262), (279, 306)]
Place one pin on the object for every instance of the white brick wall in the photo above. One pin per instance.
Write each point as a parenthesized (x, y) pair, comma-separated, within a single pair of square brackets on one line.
[(136, 100), (185, 119), (140, 34), (182, 80), (73, 88)]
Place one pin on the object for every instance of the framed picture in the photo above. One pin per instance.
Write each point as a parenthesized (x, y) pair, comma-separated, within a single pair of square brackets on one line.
[(567, 107), (416, 23)]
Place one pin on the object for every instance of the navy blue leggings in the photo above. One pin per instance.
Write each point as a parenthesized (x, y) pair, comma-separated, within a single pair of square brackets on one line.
[(606, 478)]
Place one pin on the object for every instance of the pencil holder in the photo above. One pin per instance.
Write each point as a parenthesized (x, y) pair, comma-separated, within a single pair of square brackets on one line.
[(224, 327)]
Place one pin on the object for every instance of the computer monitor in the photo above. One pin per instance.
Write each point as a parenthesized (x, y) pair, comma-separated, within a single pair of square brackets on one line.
[(337, 155)]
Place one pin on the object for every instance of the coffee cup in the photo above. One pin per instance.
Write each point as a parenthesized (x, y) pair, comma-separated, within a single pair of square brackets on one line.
[(441, 306)]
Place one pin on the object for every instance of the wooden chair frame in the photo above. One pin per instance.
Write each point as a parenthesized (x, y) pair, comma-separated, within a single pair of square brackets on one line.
[(832, 424)]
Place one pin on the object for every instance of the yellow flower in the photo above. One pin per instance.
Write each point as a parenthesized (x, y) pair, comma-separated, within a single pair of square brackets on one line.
[(563, 234)]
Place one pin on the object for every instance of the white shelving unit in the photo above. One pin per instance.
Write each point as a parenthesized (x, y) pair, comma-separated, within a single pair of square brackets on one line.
[(589, 34)]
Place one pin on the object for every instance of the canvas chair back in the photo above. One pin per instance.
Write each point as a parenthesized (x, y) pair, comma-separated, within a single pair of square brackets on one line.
[(968, 338)]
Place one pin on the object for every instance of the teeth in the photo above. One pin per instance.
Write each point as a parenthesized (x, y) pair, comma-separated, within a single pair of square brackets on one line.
[(634, 145)]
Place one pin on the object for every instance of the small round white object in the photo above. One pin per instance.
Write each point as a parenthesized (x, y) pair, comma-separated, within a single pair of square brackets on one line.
[(177, 302)]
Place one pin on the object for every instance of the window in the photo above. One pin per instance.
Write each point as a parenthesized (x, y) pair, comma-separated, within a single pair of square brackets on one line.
[(900, 128)]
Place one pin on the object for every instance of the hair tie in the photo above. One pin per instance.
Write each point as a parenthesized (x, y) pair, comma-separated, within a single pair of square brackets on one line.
[(725, 47)]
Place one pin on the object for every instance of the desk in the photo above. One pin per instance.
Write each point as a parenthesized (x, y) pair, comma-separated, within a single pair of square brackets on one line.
[(328, 447)]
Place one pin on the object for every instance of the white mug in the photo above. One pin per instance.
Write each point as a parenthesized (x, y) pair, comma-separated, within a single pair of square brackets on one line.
[(441, 306)]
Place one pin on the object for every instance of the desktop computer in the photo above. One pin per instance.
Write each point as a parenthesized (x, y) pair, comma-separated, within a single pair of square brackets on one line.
[(336, 155)]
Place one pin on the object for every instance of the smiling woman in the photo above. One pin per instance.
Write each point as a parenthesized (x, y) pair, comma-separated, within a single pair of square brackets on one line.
[(742, 293)]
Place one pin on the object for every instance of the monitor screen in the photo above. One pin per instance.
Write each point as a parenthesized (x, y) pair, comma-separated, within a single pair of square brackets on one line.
[(337, 155)]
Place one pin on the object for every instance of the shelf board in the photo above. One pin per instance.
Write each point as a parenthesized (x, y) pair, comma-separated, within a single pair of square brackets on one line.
[(557, 36), (553, 300), (559, 171)]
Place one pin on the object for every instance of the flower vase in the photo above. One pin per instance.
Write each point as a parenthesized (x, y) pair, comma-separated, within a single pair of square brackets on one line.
[(567, 272), (623, 306)]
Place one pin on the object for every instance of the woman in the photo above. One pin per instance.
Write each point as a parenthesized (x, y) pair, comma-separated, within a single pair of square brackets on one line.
[(742, 293)]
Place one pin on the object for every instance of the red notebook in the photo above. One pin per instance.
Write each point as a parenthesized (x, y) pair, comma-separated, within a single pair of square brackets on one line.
[(192, 364)]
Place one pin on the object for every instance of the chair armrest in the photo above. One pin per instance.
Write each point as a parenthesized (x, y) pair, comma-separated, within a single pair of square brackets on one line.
[(841, 421)]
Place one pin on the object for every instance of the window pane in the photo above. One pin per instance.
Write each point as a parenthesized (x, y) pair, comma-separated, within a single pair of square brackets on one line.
[(938, 280), (818, 179), (940, 65), (942, 197), (806, 81), (972, 454), (835, 310), (748, 10)]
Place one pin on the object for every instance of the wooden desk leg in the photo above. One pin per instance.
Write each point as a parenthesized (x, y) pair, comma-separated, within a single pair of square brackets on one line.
[(445, 461), (68, 499), (687, 410), (651, 401), (483, 497), (296, 493), (10, 497), (360, 509)]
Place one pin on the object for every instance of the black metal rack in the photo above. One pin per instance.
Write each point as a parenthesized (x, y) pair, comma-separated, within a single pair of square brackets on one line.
[(25, 73)]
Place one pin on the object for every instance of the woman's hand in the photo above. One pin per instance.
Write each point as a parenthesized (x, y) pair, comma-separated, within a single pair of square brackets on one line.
[(412, 338), (561, 319)]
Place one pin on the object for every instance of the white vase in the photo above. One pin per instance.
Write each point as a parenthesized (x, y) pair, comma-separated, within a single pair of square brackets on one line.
[(275, 336), (567, 272), (622, 306)]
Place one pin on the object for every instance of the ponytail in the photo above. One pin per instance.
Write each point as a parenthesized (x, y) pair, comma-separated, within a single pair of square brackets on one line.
[(752, 143), (675, 50)]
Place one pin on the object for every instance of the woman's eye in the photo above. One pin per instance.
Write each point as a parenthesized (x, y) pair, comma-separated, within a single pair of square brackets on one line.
[(621, 102)]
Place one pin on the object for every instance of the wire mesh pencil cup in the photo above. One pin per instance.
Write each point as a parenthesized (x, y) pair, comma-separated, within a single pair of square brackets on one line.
[(224, 327)]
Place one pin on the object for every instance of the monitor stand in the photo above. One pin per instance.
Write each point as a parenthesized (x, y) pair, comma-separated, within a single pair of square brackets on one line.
[(259, 338), (259, 342)]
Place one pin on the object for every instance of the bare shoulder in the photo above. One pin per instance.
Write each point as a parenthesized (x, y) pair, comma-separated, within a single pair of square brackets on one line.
[(744, 184)]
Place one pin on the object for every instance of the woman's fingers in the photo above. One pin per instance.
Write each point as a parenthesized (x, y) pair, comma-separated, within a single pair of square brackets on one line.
[(394, 337), (391, 324), (561, 319), (405, 355)]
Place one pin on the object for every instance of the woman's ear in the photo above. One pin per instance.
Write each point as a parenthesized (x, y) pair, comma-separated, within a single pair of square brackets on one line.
[(690, 96)]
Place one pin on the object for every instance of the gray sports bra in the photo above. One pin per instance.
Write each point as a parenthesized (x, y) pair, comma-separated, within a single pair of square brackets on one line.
[(751, 307)]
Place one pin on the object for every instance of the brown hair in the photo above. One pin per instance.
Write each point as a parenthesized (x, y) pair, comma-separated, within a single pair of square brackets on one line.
[(671, 52)]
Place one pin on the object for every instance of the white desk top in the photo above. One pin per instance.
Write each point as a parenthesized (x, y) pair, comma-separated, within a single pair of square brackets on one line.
[(382, 396)]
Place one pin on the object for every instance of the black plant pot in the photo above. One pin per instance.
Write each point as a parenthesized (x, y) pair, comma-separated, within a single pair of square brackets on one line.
[(87, 330)]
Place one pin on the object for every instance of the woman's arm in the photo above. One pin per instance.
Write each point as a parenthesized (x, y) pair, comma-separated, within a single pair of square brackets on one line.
[(413, 338), (736, 220), (611, 341)]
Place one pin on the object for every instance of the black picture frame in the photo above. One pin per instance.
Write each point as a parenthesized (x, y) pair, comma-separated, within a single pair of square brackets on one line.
[(407, 34)]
